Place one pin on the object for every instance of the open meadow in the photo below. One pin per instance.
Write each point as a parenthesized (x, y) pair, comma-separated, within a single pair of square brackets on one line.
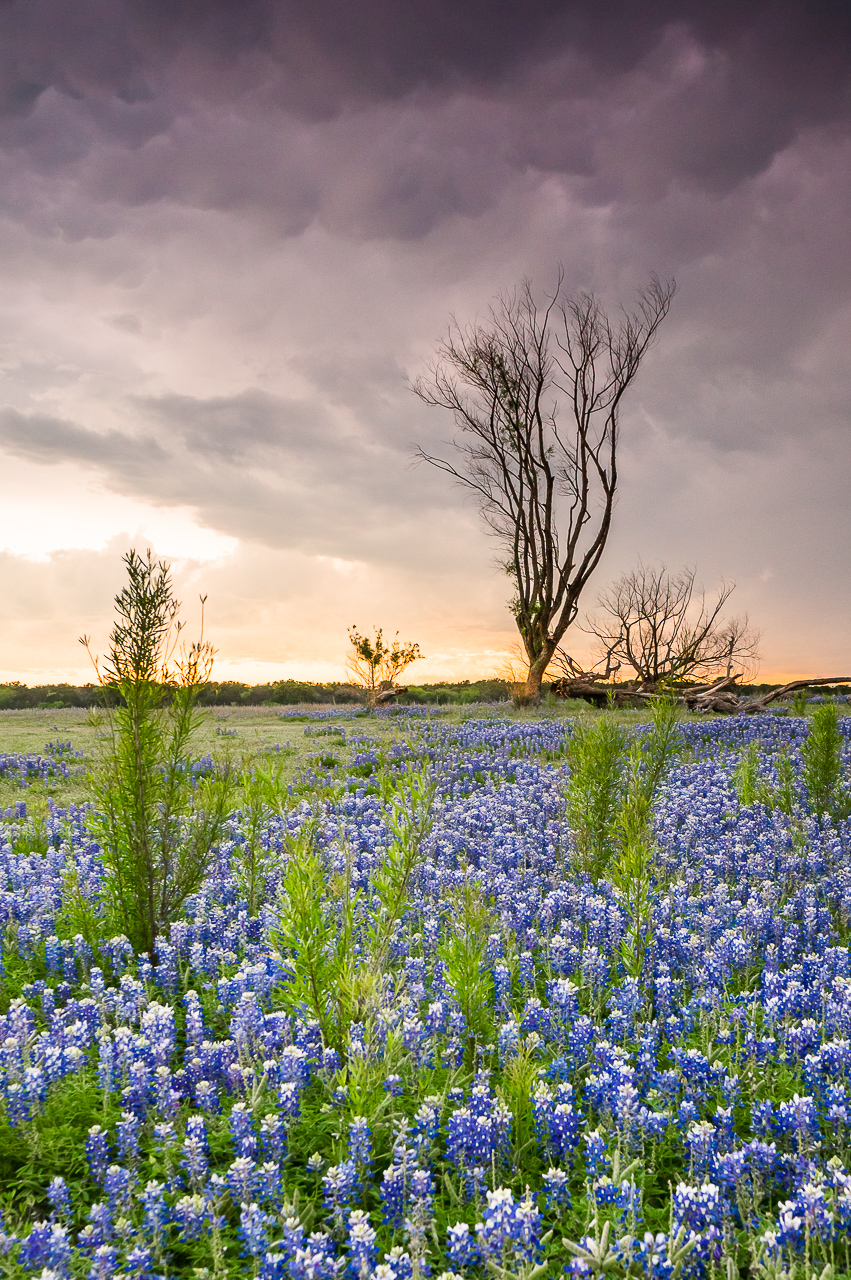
[(475, 991)]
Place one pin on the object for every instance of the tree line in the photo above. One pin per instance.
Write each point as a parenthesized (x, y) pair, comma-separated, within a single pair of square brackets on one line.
[(231, 693)]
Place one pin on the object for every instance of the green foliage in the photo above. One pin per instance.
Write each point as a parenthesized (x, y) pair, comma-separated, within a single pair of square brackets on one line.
[(785, 795), (314, 936), (799, 702), (157, 823), (747, 778), (52, 1144), (262, 791), (631, 871), (597, 761), (409, 819), (609, 808), (462, 693), (374, 663), (752, 787), (826, 785), (660, 746), (464, 953)]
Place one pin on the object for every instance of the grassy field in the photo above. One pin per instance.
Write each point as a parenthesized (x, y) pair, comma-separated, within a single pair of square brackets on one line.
[(303, 745), (438, 1005)]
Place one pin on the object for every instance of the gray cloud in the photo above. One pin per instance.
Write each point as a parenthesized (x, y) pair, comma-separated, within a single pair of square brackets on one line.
[(230, 230), (383, 122), (254, 466), (45, 439)]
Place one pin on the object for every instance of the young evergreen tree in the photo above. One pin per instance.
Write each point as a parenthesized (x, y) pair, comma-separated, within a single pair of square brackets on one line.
[(158, 819)]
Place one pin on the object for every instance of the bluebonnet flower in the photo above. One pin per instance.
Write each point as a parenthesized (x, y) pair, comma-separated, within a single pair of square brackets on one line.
[(289, 1097), (581, 1035), (420, 1214), (509, 1233), (700, 1209), (502, 985), (207, 1097), (127, 1130), (253, 1229), (623, 1195), (139, 1263), (104, 1262), (242, 1179), (361, 1245), (331, 1061), (596, 1159), (273, 1138), (461, 1247), (98, 1229), (60, 1199), (196, 1030), (241, 1124), (701, 1143), (340, 1185), (393, 1196), (799, 1117), (556, 1190), (48, 1245), (526, 968), (357, 1042), (156, 1212), (564, 1127), (427, 1121), (192, 1214), (762, 1118), (314, 1261), (194, 1159), (651, 1253), (117, 1186), (476, 1134), (360, 1141), (97, 1153)]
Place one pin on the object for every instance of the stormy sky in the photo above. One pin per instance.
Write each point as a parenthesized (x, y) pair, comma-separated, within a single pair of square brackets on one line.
[(231, 233)]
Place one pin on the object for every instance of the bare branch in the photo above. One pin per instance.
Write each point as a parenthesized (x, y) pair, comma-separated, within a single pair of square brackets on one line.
[(544, 477), (657, 623)]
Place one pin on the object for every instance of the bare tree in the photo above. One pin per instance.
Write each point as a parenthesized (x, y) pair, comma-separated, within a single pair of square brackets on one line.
[(376, 665), (659, 624), (545, 476)]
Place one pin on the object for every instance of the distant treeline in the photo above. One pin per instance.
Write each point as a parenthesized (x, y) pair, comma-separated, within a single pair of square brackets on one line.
[(285, 693), (230, 693)]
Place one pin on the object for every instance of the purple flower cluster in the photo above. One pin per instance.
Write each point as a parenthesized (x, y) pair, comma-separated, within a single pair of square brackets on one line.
[(730, 1050)]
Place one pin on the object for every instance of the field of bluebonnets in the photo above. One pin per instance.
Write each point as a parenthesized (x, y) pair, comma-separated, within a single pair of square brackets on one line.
[(445, 1006)]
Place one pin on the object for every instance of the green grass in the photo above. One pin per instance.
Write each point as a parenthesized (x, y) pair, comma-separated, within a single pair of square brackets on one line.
[(250, 733)]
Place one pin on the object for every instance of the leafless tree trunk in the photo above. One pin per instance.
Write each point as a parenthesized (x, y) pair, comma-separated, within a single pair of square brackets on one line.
[(658, 624), (544, 473)]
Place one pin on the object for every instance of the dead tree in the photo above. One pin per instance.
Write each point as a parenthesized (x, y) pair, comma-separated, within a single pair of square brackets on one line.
[(723, 699), (665, 630), (589, 686), (750, 705), (544, 472)]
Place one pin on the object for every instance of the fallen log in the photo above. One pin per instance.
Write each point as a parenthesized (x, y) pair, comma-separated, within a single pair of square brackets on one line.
[(387, 695), (749, 706), (720, 697), (723, 699), (585, 688)]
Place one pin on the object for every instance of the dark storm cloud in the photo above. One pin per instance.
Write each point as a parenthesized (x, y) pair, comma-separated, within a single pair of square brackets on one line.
[(199, 200), (279, 105), (380, 47)]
